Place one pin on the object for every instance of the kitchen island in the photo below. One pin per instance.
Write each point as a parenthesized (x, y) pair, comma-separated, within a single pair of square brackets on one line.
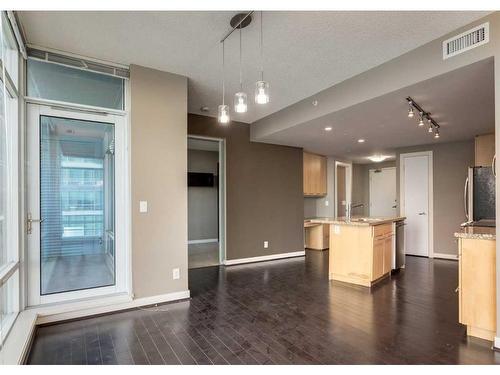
[(361, 249), (476, 281)]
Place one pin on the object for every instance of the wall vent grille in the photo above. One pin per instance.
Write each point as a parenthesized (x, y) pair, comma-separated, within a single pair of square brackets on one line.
[(468, 40), (77, 62)]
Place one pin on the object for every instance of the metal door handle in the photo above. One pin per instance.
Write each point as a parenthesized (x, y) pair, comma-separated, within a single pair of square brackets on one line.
[(421, 213), (466, 188), (494, 165), (30, 221)]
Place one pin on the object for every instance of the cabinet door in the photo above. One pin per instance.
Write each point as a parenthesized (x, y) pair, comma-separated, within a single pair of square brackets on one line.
[(478, 283), (307, 173), (322, 175), (378, 258), (484, 150), (387, 254)]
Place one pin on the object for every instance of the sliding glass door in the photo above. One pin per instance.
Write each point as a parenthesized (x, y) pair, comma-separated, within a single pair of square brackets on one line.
[(71, 209)]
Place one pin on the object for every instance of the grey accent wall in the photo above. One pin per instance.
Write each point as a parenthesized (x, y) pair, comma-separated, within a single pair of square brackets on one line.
[(158, 175), (450, 163), (202, 200), (264, 191)]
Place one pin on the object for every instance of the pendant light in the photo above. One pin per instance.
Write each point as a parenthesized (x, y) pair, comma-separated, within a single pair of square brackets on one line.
[(261, 87), (240, 98), (223, 109)]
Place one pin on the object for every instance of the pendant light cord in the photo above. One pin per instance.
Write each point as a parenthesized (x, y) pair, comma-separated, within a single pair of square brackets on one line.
[(223, 83), (241, 75), (261, 50)]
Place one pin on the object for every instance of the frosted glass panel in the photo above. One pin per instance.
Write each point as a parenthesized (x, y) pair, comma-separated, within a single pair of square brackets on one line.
[(62, 83), (76, 200)]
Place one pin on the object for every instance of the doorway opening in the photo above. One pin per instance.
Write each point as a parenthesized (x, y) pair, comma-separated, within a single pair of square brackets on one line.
[(206, 202)]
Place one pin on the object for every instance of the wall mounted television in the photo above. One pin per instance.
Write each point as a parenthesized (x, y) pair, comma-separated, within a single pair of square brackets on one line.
[(201, 179)]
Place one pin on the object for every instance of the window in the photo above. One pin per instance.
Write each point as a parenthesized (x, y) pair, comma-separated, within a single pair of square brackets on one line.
[(9, 173), (66, 84)]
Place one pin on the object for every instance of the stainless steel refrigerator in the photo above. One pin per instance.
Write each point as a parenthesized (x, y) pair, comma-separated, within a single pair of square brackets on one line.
[(479, 197)]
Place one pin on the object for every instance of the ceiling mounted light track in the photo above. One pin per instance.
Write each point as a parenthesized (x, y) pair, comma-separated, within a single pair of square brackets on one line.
[(433, 125)]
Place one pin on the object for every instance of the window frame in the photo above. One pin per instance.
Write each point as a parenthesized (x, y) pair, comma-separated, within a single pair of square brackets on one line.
[(10, 271)]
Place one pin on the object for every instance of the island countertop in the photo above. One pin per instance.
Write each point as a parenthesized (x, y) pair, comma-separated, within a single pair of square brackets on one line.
[(355, 220), (477, 233)]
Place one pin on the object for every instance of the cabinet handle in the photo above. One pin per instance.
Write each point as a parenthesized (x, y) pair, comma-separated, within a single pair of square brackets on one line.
[(457, 289)]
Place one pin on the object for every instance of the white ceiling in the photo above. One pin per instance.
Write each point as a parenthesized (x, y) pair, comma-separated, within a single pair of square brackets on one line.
[(304, 52), (461, 102)]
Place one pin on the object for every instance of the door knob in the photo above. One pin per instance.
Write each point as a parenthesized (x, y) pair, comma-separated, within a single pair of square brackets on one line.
[(421, 213)]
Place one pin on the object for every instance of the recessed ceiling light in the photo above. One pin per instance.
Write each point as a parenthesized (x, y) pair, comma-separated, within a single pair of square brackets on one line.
[(204, 108), (328, 128), (361, 140), (377, 158), (315, 103)]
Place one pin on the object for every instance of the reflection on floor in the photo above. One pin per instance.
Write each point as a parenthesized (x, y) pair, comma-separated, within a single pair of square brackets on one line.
[(283, 312), (66, 273), (203, 255)]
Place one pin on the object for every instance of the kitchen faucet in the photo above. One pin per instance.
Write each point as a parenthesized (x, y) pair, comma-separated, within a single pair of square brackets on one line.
[(348, 208)]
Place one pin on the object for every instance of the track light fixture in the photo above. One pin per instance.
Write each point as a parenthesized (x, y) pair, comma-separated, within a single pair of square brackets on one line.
[(433, 125)]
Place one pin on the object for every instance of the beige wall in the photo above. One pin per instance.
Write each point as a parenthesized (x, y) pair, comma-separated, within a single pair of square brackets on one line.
[(158, 175), (450, 163), (203, 209), (264, 196)]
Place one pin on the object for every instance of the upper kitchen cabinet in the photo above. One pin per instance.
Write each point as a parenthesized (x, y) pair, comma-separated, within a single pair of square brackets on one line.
[(314, 175), (484, 150)]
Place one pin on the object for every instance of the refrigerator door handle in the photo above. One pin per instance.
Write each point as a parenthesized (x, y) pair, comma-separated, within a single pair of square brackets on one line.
[(494, 165), (465, 198)]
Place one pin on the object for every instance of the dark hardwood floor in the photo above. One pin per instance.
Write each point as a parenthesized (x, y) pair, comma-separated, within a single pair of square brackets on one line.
[(281, 312)]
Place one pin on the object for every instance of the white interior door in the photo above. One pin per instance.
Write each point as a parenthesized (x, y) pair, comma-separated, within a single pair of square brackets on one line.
[(416, 205), (383, 192), (77, 242)]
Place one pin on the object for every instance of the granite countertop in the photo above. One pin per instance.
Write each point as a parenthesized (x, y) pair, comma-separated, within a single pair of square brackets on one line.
[(477, 233), (355, 220)]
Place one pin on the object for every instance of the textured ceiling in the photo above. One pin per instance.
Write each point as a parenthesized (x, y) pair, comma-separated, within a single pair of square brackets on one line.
[(304, 52), (461, 101)]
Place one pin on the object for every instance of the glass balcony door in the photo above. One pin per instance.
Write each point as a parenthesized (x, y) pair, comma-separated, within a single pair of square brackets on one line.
[(71, 221)]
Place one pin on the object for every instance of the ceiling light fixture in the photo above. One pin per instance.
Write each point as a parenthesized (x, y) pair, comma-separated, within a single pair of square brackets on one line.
[(261, 87), (223, 109), (433, 125), (377, 158), (328, 128), (240, 98), (361, 141)]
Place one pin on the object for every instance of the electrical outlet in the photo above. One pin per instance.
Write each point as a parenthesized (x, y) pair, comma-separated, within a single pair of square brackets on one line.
[(327, 203), (143, 206), (176, 274), (266, 244)]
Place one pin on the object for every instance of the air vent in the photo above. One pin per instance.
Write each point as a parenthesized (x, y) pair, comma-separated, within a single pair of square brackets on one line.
[(468, 40), (78, 63)]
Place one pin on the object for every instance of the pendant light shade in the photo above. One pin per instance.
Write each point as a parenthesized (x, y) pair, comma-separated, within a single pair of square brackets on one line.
[(240, 102), (223, 114), (223, 109), (262, 92)]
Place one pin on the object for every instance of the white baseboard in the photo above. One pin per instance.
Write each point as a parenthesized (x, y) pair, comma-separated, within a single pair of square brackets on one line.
[(75, 311), (207, 240), (496, 343), (445, 256), (231, 262)]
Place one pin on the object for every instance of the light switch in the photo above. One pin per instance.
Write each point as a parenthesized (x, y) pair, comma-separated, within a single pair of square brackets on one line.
[(176, 274), (327, 203), (266, 244), (143, 206)]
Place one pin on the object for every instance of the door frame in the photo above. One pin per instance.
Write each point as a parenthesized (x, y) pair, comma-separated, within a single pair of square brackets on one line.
[(430, 217), (370, 186), (123, 268), (222, 192), (348, 183)]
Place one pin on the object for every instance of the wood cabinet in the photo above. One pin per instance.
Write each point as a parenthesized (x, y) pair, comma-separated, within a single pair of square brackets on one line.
[(317, 236), (361, 255), (484, 150), (477, 287), (314, 175)]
